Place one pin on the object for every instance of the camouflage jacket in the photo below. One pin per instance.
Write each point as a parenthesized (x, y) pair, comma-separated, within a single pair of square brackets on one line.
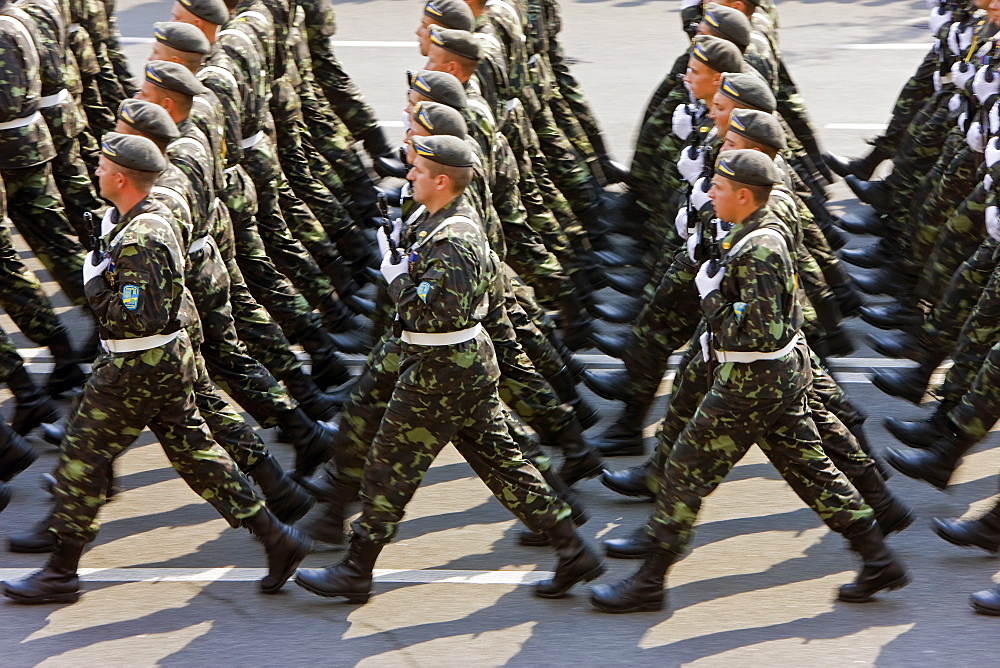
[(247, 43), (192, 154), (142, 292), (28, 142), (446, 289), (173, 190)]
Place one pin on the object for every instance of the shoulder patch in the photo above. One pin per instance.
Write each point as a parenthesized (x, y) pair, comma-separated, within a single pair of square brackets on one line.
[(738, 309), (423, 290), (130, 296)]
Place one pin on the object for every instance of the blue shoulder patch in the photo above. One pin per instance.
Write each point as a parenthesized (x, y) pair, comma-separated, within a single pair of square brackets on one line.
[(423, 290), (130, 296), (738, 309)]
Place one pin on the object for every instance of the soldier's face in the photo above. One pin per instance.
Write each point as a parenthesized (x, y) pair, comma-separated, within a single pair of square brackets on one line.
[(726, 198), (423, 33), (181, 14), (720, 110), (108, 178), (425, 183), (701, 80), (734, 141), (149, 93), (993, 11), (439, 61)]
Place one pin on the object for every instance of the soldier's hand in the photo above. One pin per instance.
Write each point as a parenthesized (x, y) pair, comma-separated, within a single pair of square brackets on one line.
[(975, 138), (681, 123), (993, 222), (691, 164), (705, 283), (681, 222), (706, 353), (92, 271), (937, 19), (699, 194), (393, 271), (985, 84), (992, 153)]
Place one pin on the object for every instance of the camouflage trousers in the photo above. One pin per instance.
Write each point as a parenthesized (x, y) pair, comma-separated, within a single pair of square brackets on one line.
[(36, 209), (979, 408), (917, 90), (74, 184), (567, 169), (414, 429), (123, 395), (22, 296), (10, 358), (268, 286), (943, 325), (226, 357), (570, 106), (720, 431)]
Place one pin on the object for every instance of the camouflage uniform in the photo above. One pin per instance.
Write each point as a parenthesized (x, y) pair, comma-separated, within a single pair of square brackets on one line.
[(141, 295), (763, 401), (33, 201)]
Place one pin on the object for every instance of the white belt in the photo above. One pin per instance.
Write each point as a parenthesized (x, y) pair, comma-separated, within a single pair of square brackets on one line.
[(746, 358), (252, 141), (141, 343), (197, 244), (445, 339), (21, 122), (52, 100)]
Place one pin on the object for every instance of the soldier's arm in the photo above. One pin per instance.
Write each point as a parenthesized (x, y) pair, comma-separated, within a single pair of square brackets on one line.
[(438, 297), (748, 312), (13, 82), (146, 293)]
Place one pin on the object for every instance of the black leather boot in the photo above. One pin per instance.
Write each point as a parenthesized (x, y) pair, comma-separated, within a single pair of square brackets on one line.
[(318, 405), (610, 385), (922, 433), (621, 311), (876, 255), (565, 388), (630, 482), (624, 437), (15, 454), (613, 345), (631, 285), (36, 540), (32, 407), (581, 459), (838, 343), (56, 583), (351, 578), (637, 545), (286, 548), (874, 193), (901, 345), (288, 500), (354, 340), (67, 373), (334, 495), (883, 281), (907, 384), (577, 562), (934, 465), (982, 532), (861, 167), (5, 496), (577, 323), (869, 222), (313, 440), (987, 601), (891, 514), (641, 592), (879, 571), (328, 369), (894, 315)]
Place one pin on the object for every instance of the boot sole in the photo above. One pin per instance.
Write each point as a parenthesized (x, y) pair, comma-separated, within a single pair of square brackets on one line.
[(67, 598), (645, 607), (910, 473), (876, 380), (902, 439), (993, 612), (18, 549), (898, 583), (631, 494), (352, 597), (622, 451), (625, 555), (590, 575), (944, 536)]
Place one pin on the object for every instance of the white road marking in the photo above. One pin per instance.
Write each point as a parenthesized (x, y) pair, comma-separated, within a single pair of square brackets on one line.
[(855, 126), (887, 46), (232, 574)]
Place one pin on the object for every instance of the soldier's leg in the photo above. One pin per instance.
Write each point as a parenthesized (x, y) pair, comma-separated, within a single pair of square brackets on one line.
[(956, 241), (22, 296), (979, 408), (978, 335), (944, 323)]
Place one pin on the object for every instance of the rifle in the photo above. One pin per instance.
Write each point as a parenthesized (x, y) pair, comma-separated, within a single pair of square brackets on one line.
[(95, 238), (383, 210)]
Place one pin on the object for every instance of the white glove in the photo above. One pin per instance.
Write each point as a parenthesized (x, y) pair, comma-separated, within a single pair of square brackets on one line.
[(90, 271), (992, 152), (692, 246), (993, 222), (681, 123), (975, 138), (689, 3), (691, 167), (959, 40), (681, 222), (985, 83), (994, 118), (393, 271), (988, 182), (699, 196), (937, 19), (706, 283), (961, 73), (954, 102), (383, 243), (963, 121), (705, 352), (936, 78)]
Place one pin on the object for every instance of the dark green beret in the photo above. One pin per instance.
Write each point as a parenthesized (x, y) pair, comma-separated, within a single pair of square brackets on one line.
[(728, 23), (454, 14), (748, 166), (444, 150), (149, 119), (719, 54), (440, 119), (181, 36), (173, 77), (439, 87), (213, 11), (758, 126), (133, 152), (460, 42), (748, 90)]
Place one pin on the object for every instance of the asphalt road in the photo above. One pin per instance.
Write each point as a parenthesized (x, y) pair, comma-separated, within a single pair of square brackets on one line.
[(170, 583)]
